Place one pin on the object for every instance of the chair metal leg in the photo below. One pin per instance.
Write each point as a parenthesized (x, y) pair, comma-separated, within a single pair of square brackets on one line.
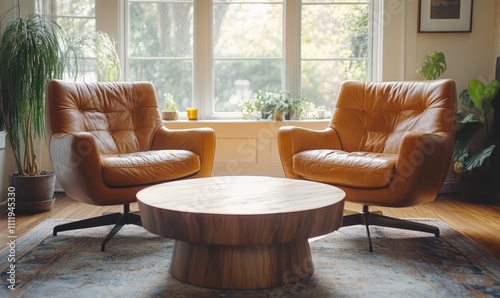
[(104, 220), (120, 224), (117, 219), (368, 218), (386, 221)]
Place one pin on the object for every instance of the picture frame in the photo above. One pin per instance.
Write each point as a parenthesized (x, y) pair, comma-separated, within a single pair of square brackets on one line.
[(438, 16)]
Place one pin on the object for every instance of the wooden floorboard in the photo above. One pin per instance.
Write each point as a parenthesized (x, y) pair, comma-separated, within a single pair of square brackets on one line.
[(478, 221)]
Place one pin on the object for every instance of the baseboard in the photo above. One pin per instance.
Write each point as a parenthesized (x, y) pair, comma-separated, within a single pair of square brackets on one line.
[(450, 187)]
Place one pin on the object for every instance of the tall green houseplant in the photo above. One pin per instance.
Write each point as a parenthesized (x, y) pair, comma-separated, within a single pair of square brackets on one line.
[(33, 51), (31, 55)]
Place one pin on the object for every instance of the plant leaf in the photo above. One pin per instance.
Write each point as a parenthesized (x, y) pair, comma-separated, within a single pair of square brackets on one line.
[(489, 93), (476, 161), (433, 66), (476, 89), (465, 100), (482, 95)]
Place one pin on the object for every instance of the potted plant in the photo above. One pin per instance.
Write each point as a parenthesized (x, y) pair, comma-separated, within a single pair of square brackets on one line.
[(433, 66), (169, 111), (476, 148), (32, 55), (297, 107), (271, 105), (33, 51)]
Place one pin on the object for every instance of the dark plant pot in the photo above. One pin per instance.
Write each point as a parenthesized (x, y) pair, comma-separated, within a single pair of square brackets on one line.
[(33, 194)]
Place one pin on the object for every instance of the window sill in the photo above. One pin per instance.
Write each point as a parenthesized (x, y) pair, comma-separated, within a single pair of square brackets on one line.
[(244, 121), (240, 128)]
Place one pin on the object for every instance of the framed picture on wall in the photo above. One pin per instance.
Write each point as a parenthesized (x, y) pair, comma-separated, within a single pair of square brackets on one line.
[(445, 16)]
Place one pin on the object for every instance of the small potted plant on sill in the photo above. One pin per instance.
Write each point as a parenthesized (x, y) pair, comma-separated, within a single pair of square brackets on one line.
[(264, 105), (169, 111), (276, 106), (297, 107)]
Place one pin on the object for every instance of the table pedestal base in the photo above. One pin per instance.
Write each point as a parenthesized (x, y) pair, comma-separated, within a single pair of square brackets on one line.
[(241, 267)]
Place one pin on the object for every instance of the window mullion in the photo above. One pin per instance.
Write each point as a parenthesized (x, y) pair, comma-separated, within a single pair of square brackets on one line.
[(292, 40), (202, 59)]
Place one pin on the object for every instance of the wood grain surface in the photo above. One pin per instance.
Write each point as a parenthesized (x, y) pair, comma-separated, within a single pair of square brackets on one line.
[(241, 232)]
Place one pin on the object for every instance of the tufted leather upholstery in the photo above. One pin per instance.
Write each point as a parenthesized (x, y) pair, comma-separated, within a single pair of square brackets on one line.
[(107, 142), (387, 144)]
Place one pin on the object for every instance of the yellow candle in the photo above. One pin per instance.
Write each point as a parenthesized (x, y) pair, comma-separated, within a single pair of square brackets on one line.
[(192, 113)]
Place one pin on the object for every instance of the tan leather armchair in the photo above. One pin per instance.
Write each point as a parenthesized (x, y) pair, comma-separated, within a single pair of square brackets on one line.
[(388, 144), (107, 142)]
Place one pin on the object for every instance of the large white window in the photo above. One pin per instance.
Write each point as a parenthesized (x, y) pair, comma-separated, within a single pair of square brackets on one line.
[(213, 53)]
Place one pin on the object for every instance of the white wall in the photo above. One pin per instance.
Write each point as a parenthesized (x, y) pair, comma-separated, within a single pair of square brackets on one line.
[(468, 55)]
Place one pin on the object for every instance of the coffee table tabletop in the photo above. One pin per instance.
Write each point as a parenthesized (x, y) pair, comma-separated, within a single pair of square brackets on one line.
[(241, 232)]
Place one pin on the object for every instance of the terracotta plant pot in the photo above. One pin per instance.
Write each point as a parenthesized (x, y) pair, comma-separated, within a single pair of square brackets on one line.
[(33, 194)]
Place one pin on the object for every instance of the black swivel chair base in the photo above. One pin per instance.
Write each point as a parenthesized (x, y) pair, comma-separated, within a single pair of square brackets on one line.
[(367, 218), (118, 219)]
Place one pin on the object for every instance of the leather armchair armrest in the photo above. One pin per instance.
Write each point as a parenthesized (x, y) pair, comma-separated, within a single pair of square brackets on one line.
[(198, 140), (294, 139), (421, 161), (75, 157)]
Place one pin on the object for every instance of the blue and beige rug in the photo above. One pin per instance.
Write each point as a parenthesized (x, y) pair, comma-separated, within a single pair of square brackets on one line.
[(135, 264)]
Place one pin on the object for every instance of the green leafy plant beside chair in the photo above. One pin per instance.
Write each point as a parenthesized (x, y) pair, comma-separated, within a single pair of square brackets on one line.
[(476, 142), (35, 50), (31, 55)]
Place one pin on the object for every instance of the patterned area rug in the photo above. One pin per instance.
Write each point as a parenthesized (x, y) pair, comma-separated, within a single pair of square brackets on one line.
[(135, 264)]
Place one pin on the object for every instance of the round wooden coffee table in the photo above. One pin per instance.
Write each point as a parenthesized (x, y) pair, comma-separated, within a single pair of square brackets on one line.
[(241, 232)]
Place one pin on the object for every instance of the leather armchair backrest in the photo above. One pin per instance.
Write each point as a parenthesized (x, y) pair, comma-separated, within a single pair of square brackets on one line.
[(374, 116), (122, 116)]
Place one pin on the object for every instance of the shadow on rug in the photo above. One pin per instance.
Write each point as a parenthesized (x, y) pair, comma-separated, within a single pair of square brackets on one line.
[(135, 264)]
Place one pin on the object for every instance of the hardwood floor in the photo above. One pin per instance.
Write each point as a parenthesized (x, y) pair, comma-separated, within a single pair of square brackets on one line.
[(478, 221)]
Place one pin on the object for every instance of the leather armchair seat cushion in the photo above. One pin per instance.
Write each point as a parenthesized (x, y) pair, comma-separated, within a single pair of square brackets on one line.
[(148, 167), (354, 169)]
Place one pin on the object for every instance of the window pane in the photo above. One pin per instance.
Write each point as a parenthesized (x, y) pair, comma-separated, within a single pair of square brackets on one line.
[(160, 48), (248, 51), (248, 30), (160, 29), (81, 8), (239, 79), (321, 79), (168, 76), (77, 18), (334, 47), (77, 26), (334, 31)]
